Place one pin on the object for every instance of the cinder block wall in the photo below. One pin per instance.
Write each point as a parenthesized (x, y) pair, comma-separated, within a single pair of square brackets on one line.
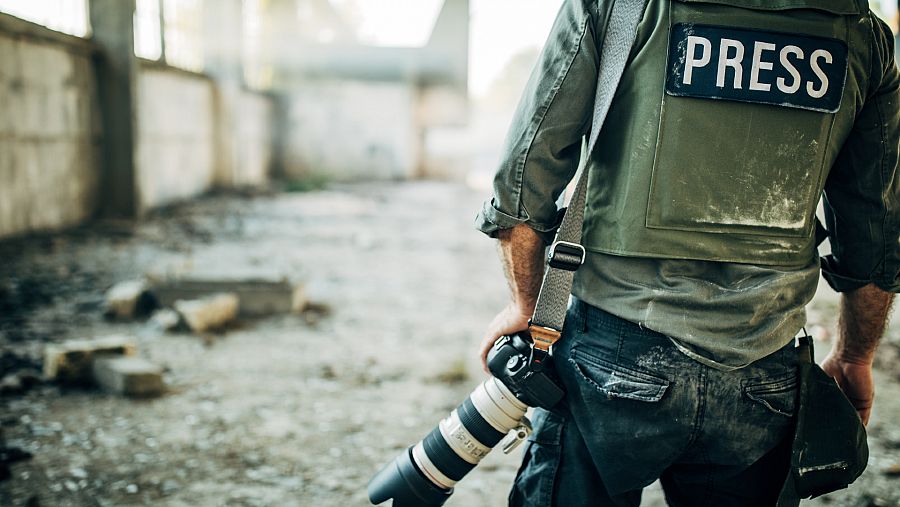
[(49, 134)]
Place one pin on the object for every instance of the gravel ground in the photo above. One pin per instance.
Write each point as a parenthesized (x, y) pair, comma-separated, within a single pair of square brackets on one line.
[(296, 409)]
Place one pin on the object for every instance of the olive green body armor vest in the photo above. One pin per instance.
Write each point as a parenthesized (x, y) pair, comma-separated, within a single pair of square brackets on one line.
[(724, 127)]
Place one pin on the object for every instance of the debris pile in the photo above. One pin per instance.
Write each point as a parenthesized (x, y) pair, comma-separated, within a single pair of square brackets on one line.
[(109, 363), (258, 297), (202, 305)]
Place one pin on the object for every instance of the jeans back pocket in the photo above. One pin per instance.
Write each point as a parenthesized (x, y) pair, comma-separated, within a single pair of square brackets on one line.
[(777, 393), (616, 380)]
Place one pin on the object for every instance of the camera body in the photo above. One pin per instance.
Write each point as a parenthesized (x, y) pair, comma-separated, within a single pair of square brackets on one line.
[(534, 383)]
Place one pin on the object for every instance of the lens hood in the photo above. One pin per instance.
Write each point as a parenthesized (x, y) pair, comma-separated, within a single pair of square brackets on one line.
[(402, 481)]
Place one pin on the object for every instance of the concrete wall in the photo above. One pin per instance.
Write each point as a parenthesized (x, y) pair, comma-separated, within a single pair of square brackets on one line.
[(255, 139), (49, 131), (176, 154), (352, 130), (361, 112), (175, 158), (51, 136)]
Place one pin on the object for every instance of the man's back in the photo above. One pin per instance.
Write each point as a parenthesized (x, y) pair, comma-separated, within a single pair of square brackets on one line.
[(728, 124), (731, 120)]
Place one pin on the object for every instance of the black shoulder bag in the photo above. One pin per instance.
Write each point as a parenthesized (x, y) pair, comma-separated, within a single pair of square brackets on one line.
[(829, 450)]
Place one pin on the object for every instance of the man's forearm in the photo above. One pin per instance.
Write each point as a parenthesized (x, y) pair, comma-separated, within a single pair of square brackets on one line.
[(522, 253), (863, 317)]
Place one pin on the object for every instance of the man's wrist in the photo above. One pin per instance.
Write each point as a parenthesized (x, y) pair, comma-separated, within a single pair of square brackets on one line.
[(523, 308), (858, 358)]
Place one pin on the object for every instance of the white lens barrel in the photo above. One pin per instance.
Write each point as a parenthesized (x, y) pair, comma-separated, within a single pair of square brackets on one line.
[(429, 469), (498, 405), (461, 441), (451, 450)]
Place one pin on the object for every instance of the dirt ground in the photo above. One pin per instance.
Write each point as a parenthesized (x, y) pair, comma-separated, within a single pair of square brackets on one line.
[(295, 409)]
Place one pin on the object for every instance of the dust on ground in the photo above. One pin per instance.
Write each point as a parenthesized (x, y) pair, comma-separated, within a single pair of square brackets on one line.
[(295, 409)]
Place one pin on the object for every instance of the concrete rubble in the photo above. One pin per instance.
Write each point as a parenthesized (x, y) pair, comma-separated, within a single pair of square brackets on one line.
[(203, 304), (208, 313), (128, 376), (259, 297), (109, 363), (71, 362), (165, 319), (129, 299)]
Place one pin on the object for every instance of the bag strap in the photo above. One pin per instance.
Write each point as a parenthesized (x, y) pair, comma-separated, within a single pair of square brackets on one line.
[(566, 253)]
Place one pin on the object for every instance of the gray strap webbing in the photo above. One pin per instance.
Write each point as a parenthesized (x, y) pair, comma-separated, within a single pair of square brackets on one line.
[(553, 299)]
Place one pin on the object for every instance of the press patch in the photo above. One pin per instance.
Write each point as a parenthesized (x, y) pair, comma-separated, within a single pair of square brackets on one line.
[(777, 68)]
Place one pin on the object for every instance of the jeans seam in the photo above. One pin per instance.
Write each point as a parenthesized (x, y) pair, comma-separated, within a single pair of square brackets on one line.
[(621, 338), (701, 406), (547, 494)]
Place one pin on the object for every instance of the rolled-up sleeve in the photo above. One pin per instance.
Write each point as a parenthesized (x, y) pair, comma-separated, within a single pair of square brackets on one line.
[(543, 145), (862, 193)]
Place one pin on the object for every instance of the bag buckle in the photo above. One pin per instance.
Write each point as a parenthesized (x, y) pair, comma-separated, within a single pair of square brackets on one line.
[(566, 255)]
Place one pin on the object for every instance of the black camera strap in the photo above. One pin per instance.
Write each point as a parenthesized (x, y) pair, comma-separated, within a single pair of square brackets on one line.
[(566, 253)]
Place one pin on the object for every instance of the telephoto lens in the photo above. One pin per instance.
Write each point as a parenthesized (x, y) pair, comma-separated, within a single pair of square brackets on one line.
[(424, 475)]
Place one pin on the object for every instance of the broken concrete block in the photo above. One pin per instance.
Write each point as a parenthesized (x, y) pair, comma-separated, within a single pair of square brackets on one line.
[(165, 319), (129, 376), (71, 361), (258, 297), (128, 300), (209, 313)]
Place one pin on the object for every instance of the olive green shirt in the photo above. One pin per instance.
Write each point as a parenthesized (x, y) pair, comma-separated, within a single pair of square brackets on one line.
[(723, 314)]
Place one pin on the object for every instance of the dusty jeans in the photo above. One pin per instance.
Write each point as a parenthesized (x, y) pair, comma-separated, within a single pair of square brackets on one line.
[(638, 410)]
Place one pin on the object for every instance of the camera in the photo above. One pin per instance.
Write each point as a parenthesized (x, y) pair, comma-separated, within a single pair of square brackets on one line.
[(425, 474)]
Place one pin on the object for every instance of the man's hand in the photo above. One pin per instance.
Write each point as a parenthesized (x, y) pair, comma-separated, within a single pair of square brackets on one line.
[(856, 382), (509, 321), (522, 253), (863, 317)]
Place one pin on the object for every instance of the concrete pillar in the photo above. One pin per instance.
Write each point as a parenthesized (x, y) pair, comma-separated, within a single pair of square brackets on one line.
[(449, 45), (222, 57), (281, 32), (112, 23)]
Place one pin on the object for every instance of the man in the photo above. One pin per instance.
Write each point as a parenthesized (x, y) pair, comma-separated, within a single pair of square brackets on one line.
[(677, 355)]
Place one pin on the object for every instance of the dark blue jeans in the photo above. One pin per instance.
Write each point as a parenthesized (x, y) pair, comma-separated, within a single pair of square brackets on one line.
[(637, 410)]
